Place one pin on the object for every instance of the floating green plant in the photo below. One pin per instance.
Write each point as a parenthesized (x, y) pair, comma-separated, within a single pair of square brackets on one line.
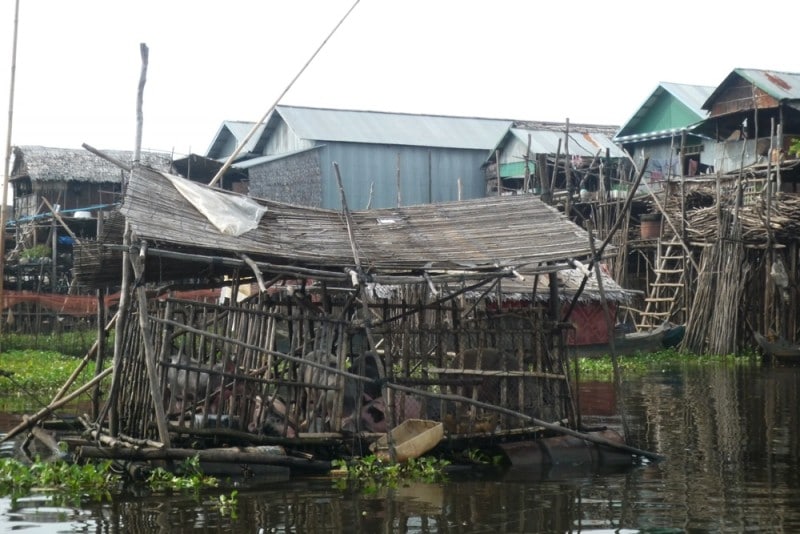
[(187, 476), (371, 474), (68, 483)]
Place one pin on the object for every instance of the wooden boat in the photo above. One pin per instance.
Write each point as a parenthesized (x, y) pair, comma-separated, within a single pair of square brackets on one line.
[(780, 349), (663, 336), (411, 439)]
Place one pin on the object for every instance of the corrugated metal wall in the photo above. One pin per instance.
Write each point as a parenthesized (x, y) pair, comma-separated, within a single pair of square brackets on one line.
[(282, 140), (665, 152), (426, 174)]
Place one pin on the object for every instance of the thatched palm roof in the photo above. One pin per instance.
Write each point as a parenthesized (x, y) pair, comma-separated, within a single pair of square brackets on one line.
[(488, 234), (48, 164)]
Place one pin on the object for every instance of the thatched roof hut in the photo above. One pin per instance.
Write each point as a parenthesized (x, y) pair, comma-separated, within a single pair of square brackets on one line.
[(335, 287)]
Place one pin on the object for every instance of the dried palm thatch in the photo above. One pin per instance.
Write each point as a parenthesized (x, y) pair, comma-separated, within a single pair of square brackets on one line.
[(493, 235), (41, 163)]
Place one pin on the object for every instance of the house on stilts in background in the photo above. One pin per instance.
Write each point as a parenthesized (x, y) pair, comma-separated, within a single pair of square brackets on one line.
[(59, 196), (724, 254)]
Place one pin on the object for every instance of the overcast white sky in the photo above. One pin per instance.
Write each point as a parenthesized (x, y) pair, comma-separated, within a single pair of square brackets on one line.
[(78, 61)]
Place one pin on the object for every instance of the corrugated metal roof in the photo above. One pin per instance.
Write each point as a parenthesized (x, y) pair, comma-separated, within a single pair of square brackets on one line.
[(691, 96), (253, 162), (378, 127), (605, 129), (580, 144), (780, 85), (238, 130)]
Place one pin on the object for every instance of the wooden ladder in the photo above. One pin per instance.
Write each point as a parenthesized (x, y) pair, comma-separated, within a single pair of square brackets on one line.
[(665, 300)]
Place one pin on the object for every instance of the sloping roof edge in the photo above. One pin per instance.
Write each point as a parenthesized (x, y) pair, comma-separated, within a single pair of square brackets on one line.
[(393, 128), (691, 96), (780, 85), (478, 236)]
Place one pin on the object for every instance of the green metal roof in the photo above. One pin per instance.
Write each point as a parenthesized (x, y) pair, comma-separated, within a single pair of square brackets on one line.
[(670, 108)]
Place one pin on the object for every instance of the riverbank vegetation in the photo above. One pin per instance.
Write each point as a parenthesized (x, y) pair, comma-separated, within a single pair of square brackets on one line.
[(602, 369), (75, 342), (31, 377)]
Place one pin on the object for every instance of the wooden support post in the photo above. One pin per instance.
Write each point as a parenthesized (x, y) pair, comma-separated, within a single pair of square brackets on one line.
[(610, 321), (499, 176), (137, 263)]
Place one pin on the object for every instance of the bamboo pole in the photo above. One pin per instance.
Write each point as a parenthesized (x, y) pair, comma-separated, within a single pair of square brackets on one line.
[(256, 271), (621, 216), (364, 304), (32, 420), (397, 182), (92, 351), (538, 422), (354, 248), (137, 264), (255, 127), (527, 182), (497, 173), (110, 407), (57, 217), (222, 455), (7, 165), (685, 314), (610, 329), (100, 351), (770, 253), (553, 175), (567, 172)]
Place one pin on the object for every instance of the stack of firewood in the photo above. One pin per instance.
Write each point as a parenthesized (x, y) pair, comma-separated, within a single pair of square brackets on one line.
[(702, 218)]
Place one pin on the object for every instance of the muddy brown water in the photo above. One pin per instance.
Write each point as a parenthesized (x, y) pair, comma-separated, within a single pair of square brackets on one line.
[(731, 434)]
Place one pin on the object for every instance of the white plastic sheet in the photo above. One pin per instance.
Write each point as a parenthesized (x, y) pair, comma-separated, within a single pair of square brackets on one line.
[(231, 214)]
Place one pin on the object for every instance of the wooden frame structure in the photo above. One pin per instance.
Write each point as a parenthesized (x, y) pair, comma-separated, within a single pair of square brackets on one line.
[(329, 287)]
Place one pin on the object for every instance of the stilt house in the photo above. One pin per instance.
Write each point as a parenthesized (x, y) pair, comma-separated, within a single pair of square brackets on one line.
[(360, 319)]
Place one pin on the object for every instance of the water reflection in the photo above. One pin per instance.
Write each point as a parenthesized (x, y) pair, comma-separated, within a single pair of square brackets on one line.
[(475, 505), (730, 433)]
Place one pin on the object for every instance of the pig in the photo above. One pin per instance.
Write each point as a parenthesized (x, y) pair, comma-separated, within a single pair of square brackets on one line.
[(188, 388), (271, 418), (369, 365), (358, 393), (373, 416)]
